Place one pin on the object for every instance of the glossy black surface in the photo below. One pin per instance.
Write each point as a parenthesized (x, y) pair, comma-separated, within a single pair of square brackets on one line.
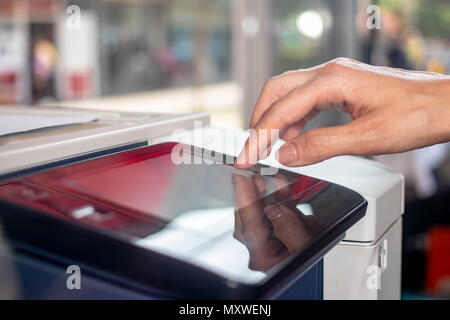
[(205, 228)]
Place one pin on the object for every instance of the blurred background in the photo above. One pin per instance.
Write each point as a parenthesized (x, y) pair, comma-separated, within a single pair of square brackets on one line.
[(214, 56)]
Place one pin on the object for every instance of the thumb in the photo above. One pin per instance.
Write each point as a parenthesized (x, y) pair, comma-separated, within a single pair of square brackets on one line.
[(288, 227), (319, 145)]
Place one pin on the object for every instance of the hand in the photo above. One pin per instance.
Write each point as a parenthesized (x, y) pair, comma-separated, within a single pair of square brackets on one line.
[(392, 110), (270, 232)]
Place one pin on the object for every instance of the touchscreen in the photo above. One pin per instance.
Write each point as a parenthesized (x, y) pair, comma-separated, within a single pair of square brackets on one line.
[(236, 223)]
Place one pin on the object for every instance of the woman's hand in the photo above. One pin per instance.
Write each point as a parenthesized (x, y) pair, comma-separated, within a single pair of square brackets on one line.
[(392, 110)]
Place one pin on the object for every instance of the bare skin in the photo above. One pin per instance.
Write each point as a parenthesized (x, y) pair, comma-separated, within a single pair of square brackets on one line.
[(270, 232), (392, 110)]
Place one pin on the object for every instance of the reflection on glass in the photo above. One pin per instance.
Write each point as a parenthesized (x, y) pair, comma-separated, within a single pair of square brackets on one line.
[(236, 223), (9, 286), (242, 242)]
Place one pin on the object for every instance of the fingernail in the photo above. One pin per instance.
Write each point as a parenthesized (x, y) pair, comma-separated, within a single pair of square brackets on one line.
[(287, 154)]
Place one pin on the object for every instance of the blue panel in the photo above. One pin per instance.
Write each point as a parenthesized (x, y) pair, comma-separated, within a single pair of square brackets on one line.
[(38, 279), (308, 287)]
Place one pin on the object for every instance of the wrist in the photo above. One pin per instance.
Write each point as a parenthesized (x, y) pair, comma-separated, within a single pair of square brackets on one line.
[(441, 107)]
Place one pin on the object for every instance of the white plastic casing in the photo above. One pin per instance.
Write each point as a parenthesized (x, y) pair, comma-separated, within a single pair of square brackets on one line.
[(113, 129)]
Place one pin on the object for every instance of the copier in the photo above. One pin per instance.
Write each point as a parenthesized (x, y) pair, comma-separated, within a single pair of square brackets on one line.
[(363, 264)]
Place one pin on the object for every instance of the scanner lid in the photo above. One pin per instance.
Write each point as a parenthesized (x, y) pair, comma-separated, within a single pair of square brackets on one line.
[(90, 130)]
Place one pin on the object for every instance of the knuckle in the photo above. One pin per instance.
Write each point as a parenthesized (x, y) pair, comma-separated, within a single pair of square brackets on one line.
[(336, 66), (342, 60), (313, 146), (311, 143), (270, 84), (286, 73), (276, 118)]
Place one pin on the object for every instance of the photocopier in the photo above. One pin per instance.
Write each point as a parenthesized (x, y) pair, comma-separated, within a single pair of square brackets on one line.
[(363, 264)]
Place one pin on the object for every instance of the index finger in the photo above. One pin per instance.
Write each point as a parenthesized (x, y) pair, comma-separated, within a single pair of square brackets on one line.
[(277, 87), (319, 90)]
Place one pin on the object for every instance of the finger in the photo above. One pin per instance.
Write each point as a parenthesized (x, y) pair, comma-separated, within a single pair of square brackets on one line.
[(252, 227), (295, 129), (245, 192), (276, 88), (237, 186), (288, 227), (267, 255), (324, 143), (251, 221), (260, 184), (251, 153), (288, 110), (282, 187), (237, 233), (247, 204)]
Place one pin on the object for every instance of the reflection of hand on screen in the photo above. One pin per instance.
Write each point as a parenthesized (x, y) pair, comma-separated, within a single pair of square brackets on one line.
[(270, 232)]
